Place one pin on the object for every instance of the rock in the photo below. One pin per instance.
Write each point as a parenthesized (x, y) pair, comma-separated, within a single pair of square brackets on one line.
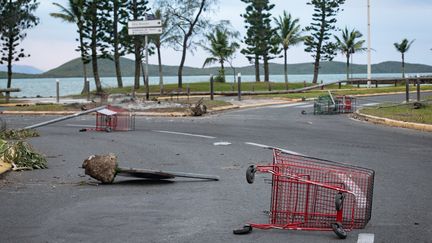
[(101, 167)]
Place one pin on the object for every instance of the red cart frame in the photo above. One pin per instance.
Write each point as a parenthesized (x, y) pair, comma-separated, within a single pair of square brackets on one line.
[(314, 194)]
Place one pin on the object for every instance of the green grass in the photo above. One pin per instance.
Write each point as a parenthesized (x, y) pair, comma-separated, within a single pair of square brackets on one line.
[(402, 112)]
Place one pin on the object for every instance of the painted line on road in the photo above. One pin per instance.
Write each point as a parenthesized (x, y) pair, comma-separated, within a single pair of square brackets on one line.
[(305, 106), (271, 147), (76, 125), (365, 238), (369, 104), (287, 105), (185, 134)]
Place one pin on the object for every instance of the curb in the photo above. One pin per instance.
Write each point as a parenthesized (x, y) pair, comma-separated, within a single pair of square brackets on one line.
[(394, 123)]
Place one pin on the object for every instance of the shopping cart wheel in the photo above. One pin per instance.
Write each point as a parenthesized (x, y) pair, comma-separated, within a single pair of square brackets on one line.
[(339, 198), (250, 174), (339, 231), (245, 230)]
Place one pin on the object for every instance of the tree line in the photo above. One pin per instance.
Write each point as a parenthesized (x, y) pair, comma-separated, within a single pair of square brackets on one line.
[(102, 33)]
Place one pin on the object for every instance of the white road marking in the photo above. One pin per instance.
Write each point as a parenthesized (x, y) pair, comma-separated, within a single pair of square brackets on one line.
[(287, 105), (369, 104), (366, 238), (185, 134), (271, 147), (222, 143), (76, 125), (360, 196), (305, 106)]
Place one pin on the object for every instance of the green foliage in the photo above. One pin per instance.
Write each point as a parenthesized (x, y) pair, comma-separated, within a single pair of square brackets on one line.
[(348, 44), (261, 38), (221, 48), (21, 155), (187, 22), (18, 134), (402, 48), (16, 17), (288, 34), (318, 41)]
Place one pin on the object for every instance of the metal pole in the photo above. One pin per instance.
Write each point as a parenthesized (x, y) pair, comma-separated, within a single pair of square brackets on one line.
[(369, 66), (146, 69), (239, 86), (211, 87), (58, 91), (407, 96), (418, 89), (64, 118)]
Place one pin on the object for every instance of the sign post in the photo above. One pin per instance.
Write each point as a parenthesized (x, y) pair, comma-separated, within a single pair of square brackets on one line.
[(149, 26)]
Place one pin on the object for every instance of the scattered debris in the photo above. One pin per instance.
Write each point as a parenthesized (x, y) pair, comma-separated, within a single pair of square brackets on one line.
[(104, 168), (199, 108), (18, 134), (418, 105), (21, 156)]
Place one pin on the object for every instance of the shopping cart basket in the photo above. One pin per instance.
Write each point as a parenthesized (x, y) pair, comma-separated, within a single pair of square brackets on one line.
[(314, 194)]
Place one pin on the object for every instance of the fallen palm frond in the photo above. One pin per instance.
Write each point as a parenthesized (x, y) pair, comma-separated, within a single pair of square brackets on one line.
[(21, 156), (18, 134)]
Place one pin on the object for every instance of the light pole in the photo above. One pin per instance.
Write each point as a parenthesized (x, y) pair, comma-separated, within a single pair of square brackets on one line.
[(369, 67)]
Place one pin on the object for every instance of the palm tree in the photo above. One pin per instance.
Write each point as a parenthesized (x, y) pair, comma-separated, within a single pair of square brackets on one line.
[(74, 13), (220, 48), (349, 45), (402, 48), (289, 34)]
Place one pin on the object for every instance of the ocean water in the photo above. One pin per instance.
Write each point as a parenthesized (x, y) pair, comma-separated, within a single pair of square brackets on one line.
[(46, 87)]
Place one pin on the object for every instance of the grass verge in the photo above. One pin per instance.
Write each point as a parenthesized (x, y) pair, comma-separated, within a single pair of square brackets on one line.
[(402, 112)]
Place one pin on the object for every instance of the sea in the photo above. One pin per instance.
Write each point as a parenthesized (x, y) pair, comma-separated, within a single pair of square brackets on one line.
[(46, 87)]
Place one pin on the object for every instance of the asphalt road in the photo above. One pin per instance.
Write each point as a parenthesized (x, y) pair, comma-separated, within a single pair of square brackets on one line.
[(61, 204)]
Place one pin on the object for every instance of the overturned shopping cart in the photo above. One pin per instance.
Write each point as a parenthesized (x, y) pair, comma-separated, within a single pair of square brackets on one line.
[(314, 194), (328, 104)]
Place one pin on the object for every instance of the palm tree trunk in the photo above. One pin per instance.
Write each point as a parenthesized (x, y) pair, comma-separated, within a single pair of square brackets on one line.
[(183, 59), (286, 68), (257, 70), (222, 72), (403, 65), (84, 66), (116, 44), (347, 66), (137, 64), (160, 70)]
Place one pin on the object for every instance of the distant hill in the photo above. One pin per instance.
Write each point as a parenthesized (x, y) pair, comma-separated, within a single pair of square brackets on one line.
[(73, 68), (22, 69)]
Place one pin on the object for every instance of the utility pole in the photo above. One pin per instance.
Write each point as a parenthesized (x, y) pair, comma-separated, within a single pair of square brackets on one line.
[(369, 66)]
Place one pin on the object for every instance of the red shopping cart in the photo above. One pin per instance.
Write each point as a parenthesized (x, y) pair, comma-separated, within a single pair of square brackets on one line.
[(314, 194)]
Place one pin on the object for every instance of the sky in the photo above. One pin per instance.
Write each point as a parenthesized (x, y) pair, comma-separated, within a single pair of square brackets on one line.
[(52, 42)]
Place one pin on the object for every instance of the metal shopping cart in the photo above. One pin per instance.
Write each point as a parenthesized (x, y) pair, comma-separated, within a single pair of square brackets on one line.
[(314, 194)]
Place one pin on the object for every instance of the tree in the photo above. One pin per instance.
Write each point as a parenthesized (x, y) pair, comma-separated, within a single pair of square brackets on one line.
[(261, 38), (16, 18), (289, 34), (349, 45), (137, 10), (94, 36), (220, 48), (402, 48), (116, 12), (187, 21), (318, 42), (159, 40), (73, 13)]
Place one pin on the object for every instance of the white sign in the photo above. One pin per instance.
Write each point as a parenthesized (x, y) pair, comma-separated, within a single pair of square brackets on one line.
[(145, 31), (144, 23)]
